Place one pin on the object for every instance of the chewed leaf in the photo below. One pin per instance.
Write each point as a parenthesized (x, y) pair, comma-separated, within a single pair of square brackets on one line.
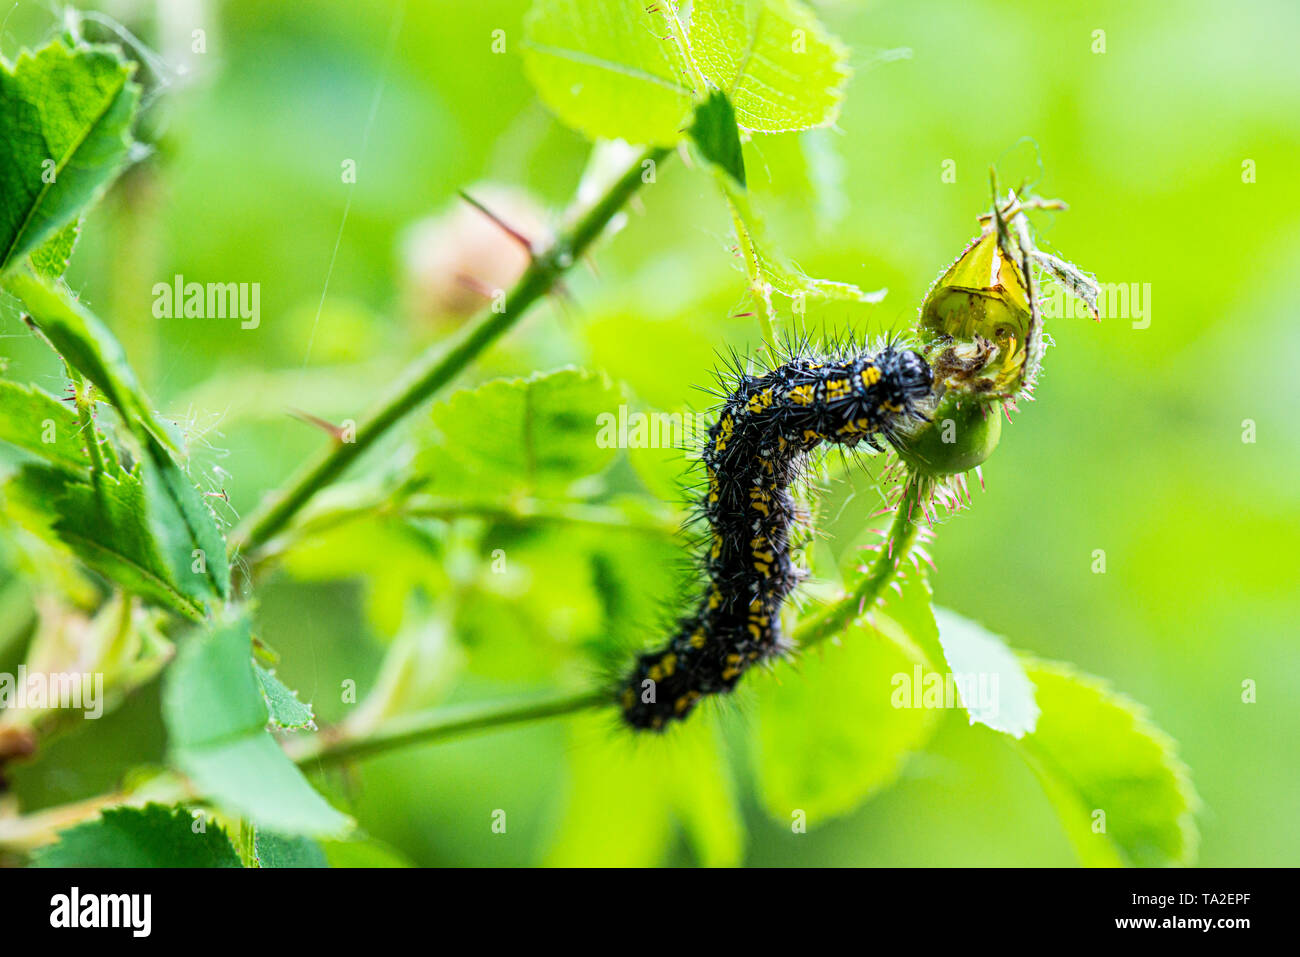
[(65, 117), (781, 68), (149, 836), (1121, 792)]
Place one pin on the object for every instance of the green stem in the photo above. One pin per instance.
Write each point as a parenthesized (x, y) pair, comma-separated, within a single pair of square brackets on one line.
[(434, 370), (520, 510), (835, 618), (332, 747), (86, 425), (539, 510)]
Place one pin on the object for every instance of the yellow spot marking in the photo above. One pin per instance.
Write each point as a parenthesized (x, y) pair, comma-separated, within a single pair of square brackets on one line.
[(725, 428), (870, 376), (802, 395)]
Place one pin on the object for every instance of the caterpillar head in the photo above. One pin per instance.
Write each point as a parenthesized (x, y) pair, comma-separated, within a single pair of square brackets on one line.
[(908, 374)]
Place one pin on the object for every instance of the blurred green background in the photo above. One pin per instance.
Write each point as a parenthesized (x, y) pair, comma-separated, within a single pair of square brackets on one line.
[(1134, 445)]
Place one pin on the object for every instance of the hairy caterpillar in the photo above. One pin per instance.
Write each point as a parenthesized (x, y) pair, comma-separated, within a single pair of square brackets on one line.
[(755, 450)]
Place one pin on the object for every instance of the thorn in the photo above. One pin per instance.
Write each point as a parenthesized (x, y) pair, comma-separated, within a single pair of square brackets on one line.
[(474, 285), (979, 473), (509, 230), (334, 431)]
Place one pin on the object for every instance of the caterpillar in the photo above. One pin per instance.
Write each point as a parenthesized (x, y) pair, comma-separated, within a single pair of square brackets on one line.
[(755, 450)]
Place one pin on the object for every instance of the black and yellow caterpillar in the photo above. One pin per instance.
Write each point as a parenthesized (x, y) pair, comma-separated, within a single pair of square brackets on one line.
[(755, 450)]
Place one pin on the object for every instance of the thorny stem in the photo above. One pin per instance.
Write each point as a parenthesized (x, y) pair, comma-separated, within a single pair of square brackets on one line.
[(833, 619), (438, 367), (333, 746), (537, 510), (521, 510)]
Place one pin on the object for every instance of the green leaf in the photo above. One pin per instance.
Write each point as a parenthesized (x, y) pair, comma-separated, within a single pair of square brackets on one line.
[(624, 796), (287, 712), (627, 69), (65, 118), (51, 258), (106, 526), (183, 524), (1094, 750), (216, 725), (1000, 693), (362, 853), (149, 836), (522, 436), (605, 70), (86, 344), (780, 67), (280, 850), (829, 732), (30, 416), (714, 132)]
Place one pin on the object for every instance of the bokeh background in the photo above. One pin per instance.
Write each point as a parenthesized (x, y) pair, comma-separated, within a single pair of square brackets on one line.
[(1134, 445)]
